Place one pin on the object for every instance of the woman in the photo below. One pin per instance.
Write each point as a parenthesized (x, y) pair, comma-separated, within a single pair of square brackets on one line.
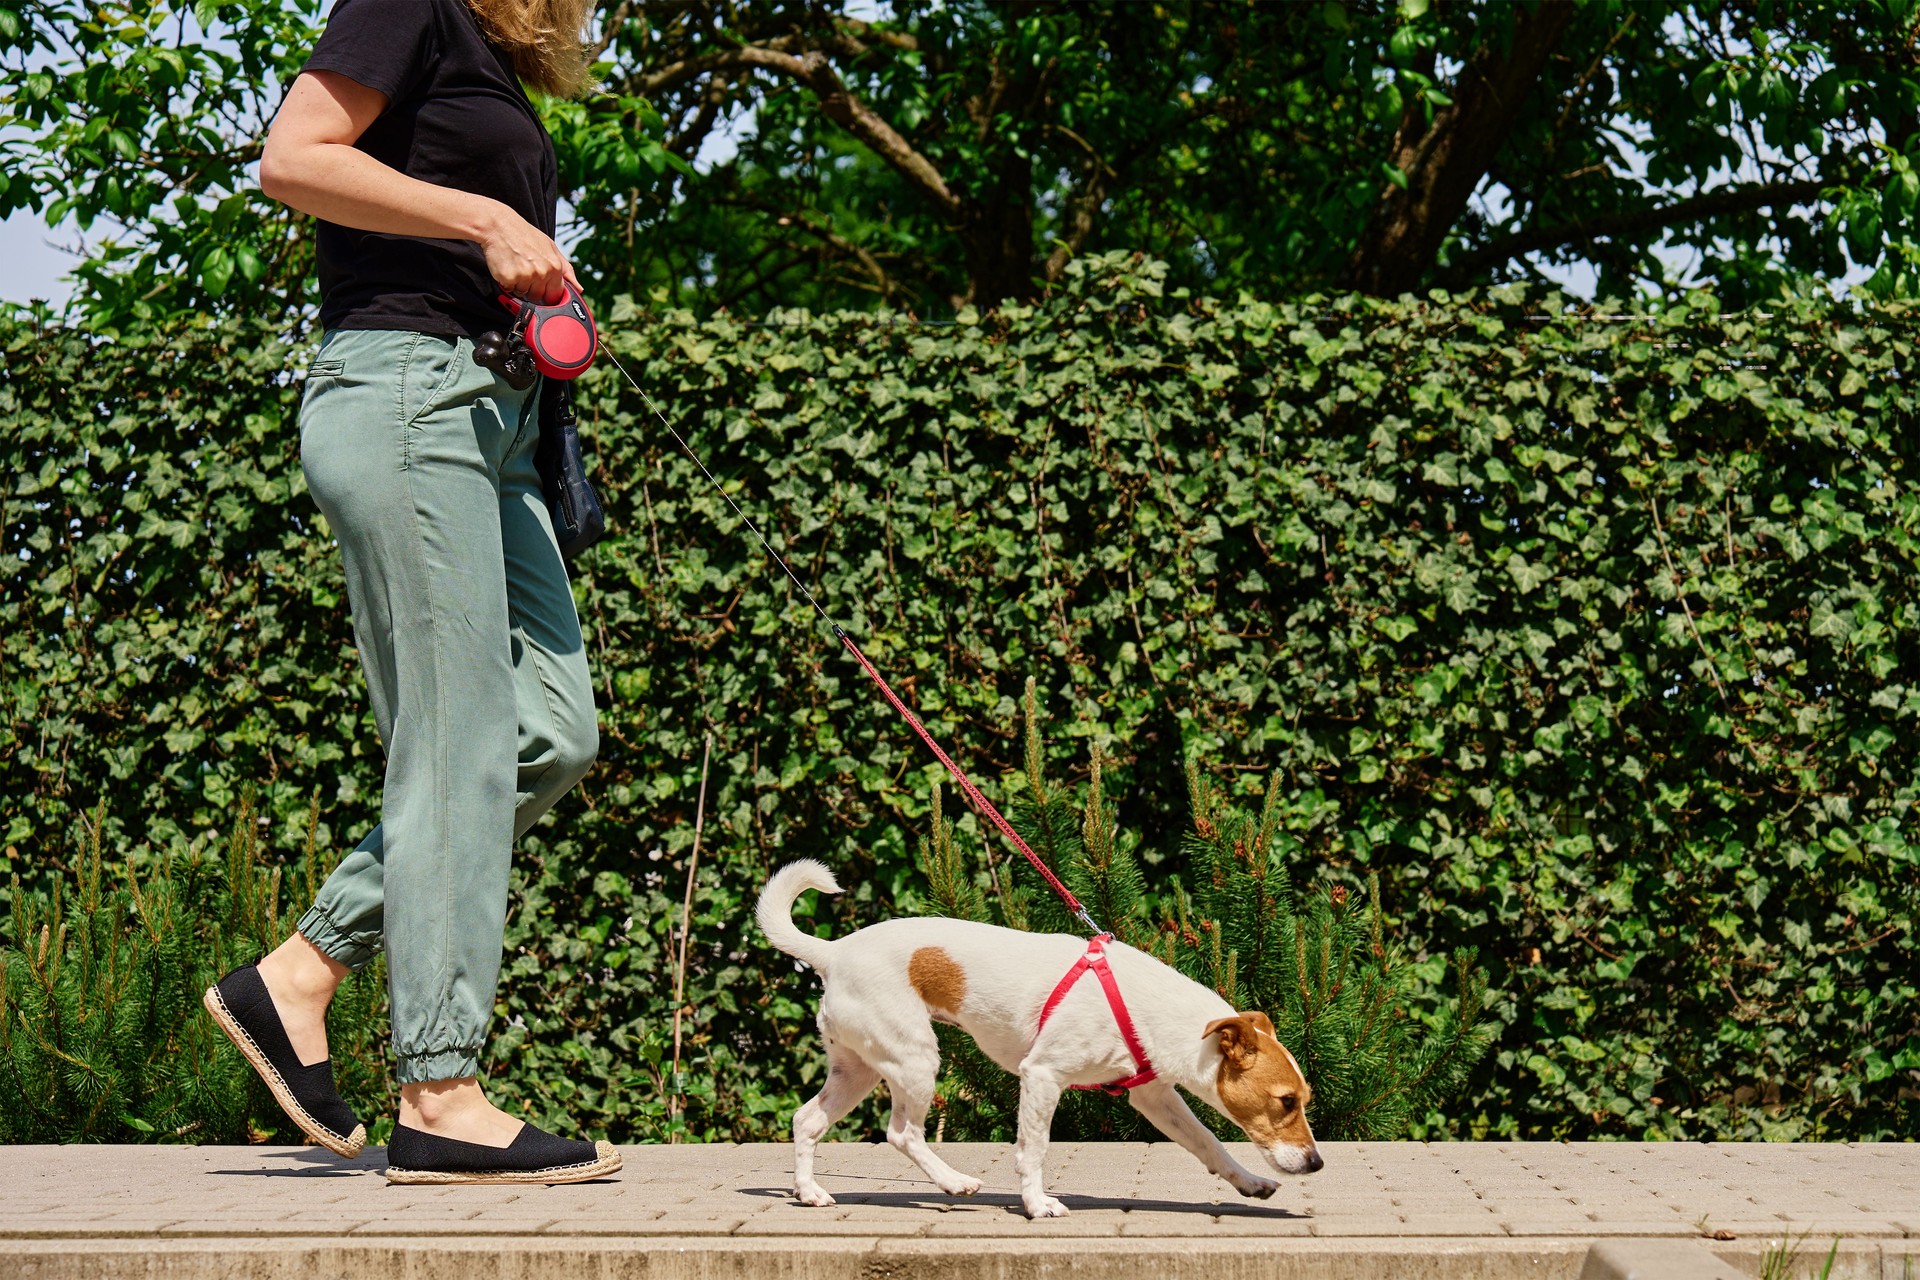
[(408, 136)]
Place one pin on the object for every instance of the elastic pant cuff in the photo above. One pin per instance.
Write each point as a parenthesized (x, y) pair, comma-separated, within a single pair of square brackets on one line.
[(437, 1064), (354, 950)]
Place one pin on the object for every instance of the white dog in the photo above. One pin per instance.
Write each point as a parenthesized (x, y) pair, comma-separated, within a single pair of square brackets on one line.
[(888, 983)]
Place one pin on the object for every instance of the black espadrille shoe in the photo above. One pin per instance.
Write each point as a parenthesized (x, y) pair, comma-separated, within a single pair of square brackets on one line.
[(533, 1156), (243, 1008)]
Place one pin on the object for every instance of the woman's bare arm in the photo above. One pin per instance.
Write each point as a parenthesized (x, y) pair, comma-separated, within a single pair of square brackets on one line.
[(311, 164)]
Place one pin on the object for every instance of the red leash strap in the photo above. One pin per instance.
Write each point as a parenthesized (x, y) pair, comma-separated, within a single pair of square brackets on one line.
[(1095, 957), (972, 792), (1096, 960)]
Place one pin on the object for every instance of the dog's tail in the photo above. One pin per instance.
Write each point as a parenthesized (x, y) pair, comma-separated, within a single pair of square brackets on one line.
[(776, 910)]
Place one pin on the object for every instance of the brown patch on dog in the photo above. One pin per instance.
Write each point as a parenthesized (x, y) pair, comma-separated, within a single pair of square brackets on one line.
[(941, 982), (1260, 1084)]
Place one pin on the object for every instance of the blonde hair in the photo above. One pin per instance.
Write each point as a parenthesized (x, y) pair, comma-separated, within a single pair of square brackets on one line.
[(544, 38)]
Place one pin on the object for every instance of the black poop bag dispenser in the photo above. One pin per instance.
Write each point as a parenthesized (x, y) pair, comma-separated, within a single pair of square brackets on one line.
[(557, 340), (578, 520)]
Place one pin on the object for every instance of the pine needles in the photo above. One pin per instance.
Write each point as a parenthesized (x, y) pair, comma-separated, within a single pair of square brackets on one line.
[(102, 1037)]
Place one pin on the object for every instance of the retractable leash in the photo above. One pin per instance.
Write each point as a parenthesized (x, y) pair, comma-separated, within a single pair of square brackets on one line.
[(556, 340), (559, 340)]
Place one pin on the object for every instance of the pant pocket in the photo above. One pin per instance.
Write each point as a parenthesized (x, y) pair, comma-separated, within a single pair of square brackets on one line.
[(428, 367)]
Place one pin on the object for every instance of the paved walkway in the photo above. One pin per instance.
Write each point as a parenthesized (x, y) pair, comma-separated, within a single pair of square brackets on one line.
[(1400, 1209)]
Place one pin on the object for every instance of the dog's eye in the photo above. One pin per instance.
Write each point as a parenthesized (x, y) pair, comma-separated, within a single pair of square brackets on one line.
[(1289, 1104)]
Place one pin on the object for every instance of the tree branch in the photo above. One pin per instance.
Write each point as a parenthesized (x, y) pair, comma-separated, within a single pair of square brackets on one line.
[(687, 142), (1711, 204), (1078, 222), (1579, 90), (673, 75), (867, 31), (883, 283), (617, 20), (836, 103)]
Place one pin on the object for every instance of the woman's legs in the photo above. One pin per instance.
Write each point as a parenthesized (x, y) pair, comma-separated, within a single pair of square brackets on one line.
[(421, 462)]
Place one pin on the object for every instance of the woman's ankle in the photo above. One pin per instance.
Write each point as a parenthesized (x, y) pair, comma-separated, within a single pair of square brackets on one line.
[(297, 970), (456, 1109), (426, 1104)]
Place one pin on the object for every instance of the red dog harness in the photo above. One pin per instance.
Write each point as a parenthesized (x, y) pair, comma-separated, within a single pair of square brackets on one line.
[(1096, 960)]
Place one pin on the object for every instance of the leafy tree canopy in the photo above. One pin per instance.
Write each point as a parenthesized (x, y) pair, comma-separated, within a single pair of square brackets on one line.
[(929, 155)]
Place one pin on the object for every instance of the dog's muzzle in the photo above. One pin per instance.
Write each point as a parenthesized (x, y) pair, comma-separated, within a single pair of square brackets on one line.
[(1295, 1159)]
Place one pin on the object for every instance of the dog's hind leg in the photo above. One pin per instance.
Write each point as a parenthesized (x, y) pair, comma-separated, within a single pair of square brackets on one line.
[(1162, 1104), (849, 1079), (911, 1074)]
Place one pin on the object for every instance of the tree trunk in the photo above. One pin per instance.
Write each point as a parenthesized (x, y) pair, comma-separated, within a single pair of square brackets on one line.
[(997, 229), (1445, 163)]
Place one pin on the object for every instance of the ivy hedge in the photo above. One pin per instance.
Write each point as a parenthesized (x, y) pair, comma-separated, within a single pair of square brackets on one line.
[(1593, 635)]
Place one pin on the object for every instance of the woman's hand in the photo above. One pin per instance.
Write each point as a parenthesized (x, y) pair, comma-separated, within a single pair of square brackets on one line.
[(524, 260)]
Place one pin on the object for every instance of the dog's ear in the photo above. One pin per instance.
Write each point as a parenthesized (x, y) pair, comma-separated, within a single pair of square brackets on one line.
[(1260, 1021), (1237, 1041)]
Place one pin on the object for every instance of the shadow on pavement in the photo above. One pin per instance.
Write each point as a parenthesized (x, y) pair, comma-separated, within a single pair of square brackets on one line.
[(314, 1162), (1010, 1203)]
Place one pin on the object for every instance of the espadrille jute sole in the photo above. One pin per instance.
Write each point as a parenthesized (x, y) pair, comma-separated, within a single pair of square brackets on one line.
[(606, 1160), (348, 1146)]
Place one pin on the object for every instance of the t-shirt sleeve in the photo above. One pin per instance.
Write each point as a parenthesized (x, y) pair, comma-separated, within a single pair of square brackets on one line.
[(383, 44)]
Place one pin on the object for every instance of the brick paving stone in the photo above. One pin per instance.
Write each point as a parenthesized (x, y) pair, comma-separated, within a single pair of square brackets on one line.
[(899, 1227), (1411, 1226), (127, 1225), (709, 1229)]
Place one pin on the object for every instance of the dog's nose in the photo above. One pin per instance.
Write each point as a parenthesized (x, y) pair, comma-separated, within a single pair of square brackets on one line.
[(1314, 1163)]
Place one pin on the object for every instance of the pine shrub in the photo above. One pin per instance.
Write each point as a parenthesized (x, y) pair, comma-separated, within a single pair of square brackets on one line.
[(1317, 961), (102, 1034)]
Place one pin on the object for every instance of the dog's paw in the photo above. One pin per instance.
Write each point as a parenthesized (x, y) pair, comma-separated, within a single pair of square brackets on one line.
[(961, 1186), (815, 1195), (1045, 1207), (1256, 1187)]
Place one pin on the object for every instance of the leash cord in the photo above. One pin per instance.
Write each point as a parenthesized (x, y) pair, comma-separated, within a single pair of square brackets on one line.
[(716, 485), (972, 792)]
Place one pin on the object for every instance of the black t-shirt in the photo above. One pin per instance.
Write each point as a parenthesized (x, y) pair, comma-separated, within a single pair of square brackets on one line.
[(456, 117)]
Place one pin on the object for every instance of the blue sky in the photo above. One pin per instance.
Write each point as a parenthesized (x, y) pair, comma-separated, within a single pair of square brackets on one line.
[(33, 265)]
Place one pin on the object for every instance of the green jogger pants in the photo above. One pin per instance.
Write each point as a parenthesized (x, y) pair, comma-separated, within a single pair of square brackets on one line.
[(422, 463)]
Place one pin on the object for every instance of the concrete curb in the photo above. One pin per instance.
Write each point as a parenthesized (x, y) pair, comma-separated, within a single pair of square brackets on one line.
[(1654, 1260), (839, 1259)]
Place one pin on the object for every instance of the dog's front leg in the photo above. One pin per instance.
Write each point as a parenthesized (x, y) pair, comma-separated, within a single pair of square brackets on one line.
[(1039, 1095), (1162, 1104)]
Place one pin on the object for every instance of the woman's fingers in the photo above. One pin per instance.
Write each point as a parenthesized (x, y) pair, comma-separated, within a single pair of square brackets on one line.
[(525, 261)]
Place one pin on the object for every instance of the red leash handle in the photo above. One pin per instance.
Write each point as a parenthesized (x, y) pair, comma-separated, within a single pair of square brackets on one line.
[(972, 792), (560, 335)]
